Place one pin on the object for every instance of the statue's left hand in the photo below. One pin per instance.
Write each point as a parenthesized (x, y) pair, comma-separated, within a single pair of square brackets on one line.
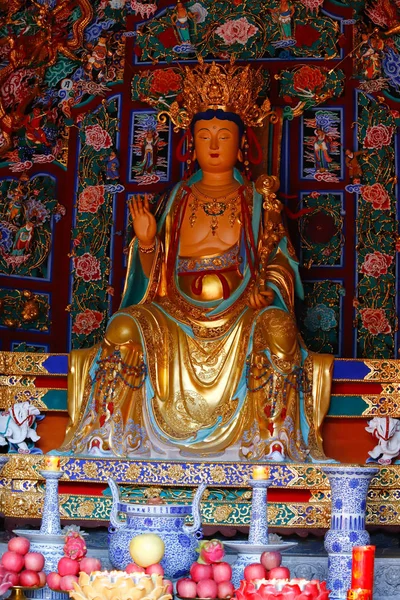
[(259, 300)]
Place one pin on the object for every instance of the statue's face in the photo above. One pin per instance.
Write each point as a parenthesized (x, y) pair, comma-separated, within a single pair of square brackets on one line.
[(216, 145)]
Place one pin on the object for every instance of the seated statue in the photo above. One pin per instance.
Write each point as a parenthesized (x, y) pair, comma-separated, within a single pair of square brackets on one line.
[(204, 357)]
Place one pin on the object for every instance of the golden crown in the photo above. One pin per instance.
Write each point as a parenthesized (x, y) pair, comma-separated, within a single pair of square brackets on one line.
[(232, 88)]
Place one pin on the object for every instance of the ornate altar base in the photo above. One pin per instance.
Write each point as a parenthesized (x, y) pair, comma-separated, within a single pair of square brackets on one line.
[(299, 497)]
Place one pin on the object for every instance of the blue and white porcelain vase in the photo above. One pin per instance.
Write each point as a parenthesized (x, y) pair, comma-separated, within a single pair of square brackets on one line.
[(166, 520), (349, 488)]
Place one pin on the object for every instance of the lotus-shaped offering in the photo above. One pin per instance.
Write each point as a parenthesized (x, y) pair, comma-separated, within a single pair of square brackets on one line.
[(118, 585), (282, 589)]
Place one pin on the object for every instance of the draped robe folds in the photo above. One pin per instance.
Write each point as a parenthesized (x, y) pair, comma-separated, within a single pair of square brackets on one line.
[(221, 376)]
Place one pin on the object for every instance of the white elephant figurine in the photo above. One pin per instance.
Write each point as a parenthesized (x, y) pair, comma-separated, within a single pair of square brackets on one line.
[(387, 432), (16, 426)]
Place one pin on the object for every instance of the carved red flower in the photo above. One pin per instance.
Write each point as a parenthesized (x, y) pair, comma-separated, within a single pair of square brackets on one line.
[(378, 136), (97, 137), (376, 264), (375, 320), (87, 321), (87, 267), (377, 195), (91, 198), (308, 79), (164, 81)]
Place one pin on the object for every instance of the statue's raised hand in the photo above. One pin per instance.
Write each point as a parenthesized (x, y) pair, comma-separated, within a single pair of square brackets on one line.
[(144, 223)]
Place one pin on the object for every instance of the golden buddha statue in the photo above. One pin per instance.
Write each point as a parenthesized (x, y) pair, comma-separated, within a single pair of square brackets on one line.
[(204, 358)]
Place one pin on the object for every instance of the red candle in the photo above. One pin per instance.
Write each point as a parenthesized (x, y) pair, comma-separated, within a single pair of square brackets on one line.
[(359, 595), (362, 572)]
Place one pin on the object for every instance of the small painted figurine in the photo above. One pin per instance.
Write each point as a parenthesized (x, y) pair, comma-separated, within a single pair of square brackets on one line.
[(149, 151), (354, 167), (321, 151), (180, 19), (387, 431), (371, 48), (97, 61), (283, 15), (112, 167), (23, 239)]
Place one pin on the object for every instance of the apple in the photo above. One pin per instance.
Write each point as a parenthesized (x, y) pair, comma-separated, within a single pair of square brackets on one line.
[(170, 586), (68, 566), (132, 568), (53, 581), (186, 588), (221, 571), (13, 561), (199, 572), (157, 568), (42, 577), (255, 571), (20, 545), (270, 560), (279, 573), (67, 582), (29, 578), (34, 561), (89, 565), (207, 588), (225, 589)]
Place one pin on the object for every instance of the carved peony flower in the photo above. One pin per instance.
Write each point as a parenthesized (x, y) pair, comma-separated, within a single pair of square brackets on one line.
[(375, 320), (87, 267), (97, 137), (377, 195), (91, 198), (87, 321), (376, 264), (199, 11), (312, 5), (236, 31), (308, 79), (378, 136), (164, 81)]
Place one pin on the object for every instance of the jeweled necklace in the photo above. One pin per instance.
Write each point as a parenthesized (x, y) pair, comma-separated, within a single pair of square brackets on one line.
[(213, 207)]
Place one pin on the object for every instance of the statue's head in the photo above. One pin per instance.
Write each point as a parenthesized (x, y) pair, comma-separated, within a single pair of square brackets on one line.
[(217, 103), (217, 137)]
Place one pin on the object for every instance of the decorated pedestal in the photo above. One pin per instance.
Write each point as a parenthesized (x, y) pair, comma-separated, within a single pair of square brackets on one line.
[(349, 487), (49, 540), (259, 539)]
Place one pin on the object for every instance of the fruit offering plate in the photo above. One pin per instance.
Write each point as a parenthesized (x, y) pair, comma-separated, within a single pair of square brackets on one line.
[(18, 591), (244, 547), (34, 536)]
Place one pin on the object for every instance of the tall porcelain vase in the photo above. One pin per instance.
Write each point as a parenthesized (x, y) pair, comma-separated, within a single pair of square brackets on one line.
[(349, 488)]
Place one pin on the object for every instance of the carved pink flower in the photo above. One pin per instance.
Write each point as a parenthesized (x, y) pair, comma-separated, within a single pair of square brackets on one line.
[(312, 5), (375, 320), (91, 198), (97, 137), (87, 267), (377, 195), (87, 321), (236, 31), (376, 264), (378, 136)]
